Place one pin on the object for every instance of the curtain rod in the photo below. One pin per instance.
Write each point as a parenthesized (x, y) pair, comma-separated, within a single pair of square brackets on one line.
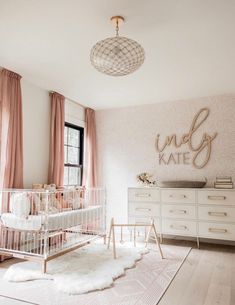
[(72, 101)]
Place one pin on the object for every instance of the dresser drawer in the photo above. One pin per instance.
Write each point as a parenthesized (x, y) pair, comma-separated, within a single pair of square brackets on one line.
[(179, 211), (179, 227), (144, 209), (178, 196), (217, 213), (221, 197), (143, 194), (217, 231)]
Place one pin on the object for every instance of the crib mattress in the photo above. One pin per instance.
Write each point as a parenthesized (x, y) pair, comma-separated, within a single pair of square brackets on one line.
[(57, 221)]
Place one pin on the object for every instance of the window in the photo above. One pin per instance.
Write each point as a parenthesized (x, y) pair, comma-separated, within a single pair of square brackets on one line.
[(73, 154)]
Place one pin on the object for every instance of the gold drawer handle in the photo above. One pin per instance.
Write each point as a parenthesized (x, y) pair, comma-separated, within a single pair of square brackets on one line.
[(142, 195), (216, 230), (143, 209), (180, 227), (216, 197), (178, 211), (176, 196), (219, 214)]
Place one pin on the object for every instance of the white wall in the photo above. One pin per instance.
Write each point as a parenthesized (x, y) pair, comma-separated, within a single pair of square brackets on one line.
[(36, 126), (126, 144), (74, 113), (36, 130)]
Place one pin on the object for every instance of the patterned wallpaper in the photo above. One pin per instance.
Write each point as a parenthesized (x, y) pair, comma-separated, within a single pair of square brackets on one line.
[(126, 144)]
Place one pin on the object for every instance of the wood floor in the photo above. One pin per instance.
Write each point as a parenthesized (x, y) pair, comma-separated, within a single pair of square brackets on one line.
[(207, 277)]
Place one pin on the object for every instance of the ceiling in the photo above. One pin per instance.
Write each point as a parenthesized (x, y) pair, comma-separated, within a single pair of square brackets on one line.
[(189, 45)]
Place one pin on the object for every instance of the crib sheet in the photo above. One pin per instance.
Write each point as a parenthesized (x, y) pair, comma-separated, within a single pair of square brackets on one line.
[(57, 221)]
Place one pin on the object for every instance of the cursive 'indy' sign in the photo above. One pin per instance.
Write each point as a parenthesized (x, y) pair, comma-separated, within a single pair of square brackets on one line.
[(198, 154)]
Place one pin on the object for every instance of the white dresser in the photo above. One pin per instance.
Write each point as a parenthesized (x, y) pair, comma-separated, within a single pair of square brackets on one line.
[(205, 213)]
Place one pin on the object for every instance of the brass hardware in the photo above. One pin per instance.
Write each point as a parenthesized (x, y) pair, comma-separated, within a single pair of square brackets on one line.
[(217, 214), (216, 230), (142, 209), (178, 211), (117, 20), (180, 227), (216, 197), (181, 196), (143, 195)]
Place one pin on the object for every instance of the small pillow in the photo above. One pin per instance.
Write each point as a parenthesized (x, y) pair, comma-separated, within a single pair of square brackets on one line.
[(35, 204), (20, 205)]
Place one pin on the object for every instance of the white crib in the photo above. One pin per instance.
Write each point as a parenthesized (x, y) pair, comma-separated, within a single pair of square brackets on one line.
[(41, 225)]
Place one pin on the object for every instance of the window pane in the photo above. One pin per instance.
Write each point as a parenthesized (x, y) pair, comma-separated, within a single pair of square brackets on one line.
[(73, 175), (73, 137), (73, 155), (66, 175), (65, 154), (65, 135)]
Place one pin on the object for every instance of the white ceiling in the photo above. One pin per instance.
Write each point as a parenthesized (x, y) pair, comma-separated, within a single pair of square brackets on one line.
[(189, 45)]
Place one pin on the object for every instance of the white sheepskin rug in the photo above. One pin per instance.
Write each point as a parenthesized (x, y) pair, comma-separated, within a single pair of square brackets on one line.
[(87, 269)]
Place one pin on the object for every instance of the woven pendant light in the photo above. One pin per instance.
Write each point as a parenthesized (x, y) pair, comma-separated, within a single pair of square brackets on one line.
[(117, 56)]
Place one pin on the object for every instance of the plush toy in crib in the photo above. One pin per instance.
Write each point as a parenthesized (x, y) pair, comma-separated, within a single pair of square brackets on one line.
[(61, 202)]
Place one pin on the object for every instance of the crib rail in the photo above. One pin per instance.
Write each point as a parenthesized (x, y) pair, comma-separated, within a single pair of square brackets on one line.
[(42, 223)]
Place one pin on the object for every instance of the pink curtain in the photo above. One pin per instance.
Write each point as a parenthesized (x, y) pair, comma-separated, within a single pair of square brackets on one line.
[(56, 160), (11, 136), (90, 151)]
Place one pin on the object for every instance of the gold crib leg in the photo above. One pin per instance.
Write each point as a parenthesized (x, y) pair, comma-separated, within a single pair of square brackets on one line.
[(44, 266)]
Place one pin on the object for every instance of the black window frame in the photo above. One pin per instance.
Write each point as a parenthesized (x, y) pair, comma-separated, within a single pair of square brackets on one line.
[(81, 148)]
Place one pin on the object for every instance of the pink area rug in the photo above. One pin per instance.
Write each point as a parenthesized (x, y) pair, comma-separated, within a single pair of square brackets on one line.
[(143, 285)]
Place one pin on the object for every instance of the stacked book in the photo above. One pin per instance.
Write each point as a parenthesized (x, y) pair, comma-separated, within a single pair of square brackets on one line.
[(223, 183)]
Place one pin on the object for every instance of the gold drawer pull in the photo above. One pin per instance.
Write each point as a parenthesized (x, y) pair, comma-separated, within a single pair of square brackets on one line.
[(179, 227), (178, 211), (219, 214), (142, 195), (177, 196), (216, 230), (216, 197), (143, 209)]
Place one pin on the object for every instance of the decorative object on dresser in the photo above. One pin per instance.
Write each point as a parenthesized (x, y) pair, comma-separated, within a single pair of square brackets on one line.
[(145, 179), (223, 183), (198, 213), (182, 184)]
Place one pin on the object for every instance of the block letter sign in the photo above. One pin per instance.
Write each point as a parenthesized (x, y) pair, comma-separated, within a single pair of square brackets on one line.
[(197, 152)]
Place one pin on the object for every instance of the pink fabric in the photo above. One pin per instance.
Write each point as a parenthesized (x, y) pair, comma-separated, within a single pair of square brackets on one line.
[(56, 164), (11, 135), (90, 151)]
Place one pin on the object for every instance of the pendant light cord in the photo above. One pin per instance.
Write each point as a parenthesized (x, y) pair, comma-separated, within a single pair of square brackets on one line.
[(117, 28)]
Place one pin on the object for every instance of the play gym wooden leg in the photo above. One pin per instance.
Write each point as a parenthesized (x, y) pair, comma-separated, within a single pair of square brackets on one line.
[(198, 243), (110, 232), (134, 236), (148, 235), (157, 240), (114, 242)]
